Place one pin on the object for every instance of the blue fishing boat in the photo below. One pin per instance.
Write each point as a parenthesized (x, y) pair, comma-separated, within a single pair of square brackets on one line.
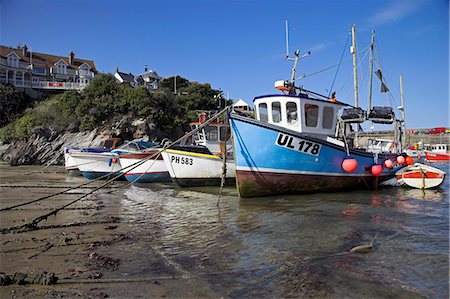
[(292, 146)]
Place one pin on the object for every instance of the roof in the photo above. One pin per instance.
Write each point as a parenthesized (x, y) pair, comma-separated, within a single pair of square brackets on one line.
[(241, 102), (45, 60), (126, 77), (150, 74)]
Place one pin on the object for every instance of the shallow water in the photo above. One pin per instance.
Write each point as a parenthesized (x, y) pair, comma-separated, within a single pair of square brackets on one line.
[(294, 246), (297, 245)]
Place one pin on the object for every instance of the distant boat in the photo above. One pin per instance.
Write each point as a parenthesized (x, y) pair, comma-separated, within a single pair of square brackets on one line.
[(420, 176), (437, 152)]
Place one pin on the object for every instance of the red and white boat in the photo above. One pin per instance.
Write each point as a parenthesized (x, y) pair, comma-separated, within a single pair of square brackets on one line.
[(420, 176), (437, 152)]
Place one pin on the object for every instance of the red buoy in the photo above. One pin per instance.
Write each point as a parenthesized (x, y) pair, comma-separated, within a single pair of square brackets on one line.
[(409, 160), (388, 163), (376, 169), (350, 165), (400, 159)]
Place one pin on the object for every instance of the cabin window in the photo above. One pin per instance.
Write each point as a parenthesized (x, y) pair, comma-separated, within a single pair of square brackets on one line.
[(328, 115), (211, 133), (263, 114), (276, 112), (311, 115), (291, 111), (224, 133)]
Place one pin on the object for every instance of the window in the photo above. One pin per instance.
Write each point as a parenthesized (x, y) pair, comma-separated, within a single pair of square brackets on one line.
[(13, 61), (262, 111), (291, 111), (311, 115), (61, 68), (211, 133), (276, 112), (328, 117), (39, 70)]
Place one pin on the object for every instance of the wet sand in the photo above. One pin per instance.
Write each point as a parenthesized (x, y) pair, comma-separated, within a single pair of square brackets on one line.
[(90, 249)]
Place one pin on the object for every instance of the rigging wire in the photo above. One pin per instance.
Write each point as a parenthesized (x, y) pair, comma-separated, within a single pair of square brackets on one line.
[(339, 66)]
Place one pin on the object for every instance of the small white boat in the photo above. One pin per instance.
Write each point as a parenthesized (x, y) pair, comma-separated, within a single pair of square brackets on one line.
[(420, 176), (145, 167), (189, 169)]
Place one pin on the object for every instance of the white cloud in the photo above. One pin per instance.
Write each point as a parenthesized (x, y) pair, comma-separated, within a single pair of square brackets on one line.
[(319, 47), (395, 11)]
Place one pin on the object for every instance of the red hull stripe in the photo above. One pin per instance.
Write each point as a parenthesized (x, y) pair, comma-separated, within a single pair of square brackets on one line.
[(418, 175)]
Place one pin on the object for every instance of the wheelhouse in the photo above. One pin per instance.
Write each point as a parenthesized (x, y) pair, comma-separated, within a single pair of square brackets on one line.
[(212, 136), (299, 113)]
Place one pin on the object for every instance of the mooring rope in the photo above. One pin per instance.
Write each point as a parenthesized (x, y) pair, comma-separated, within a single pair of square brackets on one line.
[(33, 223)]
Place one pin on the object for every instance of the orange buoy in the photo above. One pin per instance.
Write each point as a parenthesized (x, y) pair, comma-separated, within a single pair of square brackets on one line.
[(376, 169), (409, 160), (388, 163), (350, 165), (400, 159)]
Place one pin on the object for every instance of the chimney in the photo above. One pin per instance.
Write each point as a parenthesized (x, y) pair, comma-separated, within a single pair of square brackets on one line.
[(71, 55), (145, 68), (24, 50)]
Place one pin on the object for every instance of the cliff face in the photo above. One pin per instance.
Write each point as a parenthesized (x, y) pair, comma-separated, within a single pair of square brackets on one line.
[(46, 146)]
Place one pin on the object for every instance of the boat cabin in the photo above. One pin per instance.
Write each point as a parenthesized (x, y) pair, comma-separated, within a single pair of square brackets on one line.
[(212, 135), (299, 113), (439, 148)]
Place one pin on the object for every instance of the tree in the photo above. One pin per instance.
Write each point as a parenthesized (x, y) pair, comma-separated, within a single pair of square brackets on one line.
[(12, 103), (168, 84)]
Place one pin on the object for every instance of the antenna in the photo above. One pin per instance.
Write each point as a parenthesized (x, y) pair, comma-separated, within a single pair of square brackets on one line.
[(287, 40), (296, 58)]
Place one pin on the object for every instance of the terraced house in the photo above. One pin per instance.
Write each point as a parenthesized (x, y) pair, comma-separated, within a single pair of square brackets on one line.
[(24, 68)]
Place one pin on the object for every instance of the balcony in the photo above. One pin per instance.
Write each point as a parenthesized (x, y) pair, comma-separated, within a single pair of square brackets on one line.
[(48, 85)]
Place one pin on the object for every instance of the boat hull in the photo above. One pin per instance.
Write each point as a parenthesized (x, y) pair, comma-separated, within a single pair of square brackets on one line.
[(189, 169), (437, 157), (96, 165), (272, 160), (264, 183), (420, 176), (144, 167)]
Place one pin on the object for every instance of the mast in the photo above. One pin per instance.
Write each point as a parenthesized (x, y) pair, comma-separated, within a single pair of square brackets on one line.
[(355, 78), (371, 69), (403, 113)]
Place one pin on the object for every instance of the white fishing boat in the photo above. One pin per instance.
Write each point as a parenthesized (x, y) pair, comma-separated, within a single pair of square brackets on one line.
[(420, 176), (106, 146), (106, 164), (188, 168)]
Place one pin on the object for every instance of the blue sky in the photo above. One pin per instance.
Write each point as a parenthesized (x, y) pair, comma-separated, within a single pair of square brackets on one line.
[(239, 46)]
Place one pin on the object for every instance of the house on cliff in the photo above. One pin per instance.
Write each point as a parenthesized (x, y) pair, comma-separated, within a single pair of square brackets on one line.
[(149, 78), (22, 67)]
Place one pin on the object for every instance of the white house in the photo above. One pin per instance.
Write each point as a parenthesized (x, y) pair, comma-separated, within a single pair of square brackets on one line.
[(24, 68), (241, 105)]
